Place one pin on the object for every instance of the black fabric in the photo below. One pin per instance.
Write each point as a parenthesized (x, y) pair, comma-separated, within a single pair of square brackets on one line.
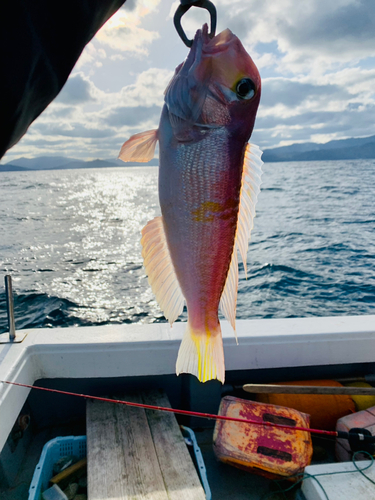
[(40, 42)]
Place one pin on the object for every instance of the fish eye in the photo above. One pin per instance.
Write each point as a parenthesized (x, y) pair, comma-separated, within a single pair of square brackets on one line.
[(245, 89)]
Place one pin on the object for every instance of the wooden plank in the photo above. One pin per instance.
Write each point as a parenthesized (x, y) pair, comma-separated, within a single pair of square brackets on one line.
[(137, 454), (311, 389), (122, 462), (179, 474)]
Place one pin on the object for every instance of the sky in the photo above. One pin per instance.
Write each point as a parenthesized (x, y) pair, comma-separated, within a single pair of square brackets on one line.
[(316, 59)]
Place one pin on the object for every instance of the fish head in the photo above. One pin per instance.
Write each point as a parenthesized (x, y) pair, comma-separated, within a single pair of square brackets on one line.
[(217, 85)]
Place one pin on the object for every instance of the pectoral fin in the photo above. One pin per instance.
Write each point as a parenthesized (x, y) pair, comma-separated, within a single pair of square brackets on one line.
[(250, 187), (160, 270), (140, 147)]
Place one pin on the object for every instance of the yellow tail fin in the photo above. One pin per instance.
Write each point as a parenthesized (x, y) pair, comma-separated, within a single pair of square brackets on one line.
[(202, 355)]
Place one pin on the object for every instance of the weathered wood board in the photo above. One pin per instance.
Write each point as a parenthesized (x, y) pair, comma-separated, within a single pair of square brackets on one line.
[(138, 454)]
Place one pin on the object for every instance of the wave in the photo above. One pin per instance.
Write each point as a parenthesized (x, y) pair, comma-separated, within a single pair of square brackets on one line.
[(280, 291), (34, 310), (40, 310)]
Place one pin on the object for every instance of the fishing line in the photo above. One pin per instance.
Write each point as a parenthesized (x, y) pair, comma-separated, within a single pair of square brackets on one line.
[(208, 416)]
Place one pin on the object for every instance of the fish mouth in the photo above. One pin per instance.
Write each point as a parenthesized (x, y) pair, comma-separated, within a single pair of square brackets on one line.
[(203, 46), (218, 43), (202, 42)]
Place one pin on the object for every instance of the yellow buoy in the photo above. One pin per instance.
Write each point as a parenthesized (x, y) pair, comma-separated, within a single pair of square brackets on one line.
[(362, 402)]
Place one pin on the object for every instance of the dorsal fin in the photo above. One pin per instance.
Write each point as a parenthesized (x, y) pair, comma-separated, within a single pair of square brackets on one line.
[(228, 301), (250, 187), (160, 270), (251, 181)]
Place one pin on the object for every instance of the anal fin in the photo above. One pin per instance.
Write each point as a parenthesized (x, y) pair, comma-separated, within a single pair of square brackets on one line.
[(160, 270)]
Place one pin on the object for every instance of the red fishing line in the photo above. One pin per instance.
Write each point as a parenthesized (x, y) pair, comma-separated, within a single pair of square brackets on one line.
[(209, 416)]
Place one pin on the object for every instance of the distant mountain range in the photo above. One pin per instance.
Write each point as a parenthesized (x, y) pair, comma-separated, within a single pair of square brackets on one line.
[(344, 149), (64, 163)]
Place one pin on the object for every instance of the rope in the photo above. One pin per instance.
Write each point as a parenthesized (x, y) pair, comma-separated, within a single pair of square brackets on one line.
[(208, 416)]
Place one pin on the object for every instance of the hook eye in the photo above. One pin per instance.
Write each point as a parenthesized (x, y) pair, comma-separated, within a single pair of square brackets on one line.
[(184, 7)]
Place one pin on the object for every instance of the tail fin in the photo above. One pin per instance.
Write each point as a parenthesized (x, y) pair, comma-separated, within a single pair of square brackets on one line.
[(202, 355)]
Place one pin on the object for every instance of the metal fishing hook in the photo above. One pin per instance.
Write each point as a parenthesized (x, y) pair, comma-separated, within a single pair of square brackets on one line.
[(184, 7)]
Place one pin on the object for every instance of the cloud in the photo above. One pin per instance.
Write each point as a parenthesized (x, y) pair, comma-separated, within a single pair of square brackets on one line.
[(91, 55), (311, 36), (293, 93), (78, 89), (355, 80), (132, 116), (81, 130), (148, 89), (38, 143), (123, 31), (319, 126), (57, 111), (342, 26), (128, 38), (117, 57)]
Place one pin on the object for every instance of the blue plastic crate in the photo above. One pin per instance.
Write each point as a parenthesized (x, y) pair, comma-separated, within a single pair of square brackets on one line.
[(52, 452)]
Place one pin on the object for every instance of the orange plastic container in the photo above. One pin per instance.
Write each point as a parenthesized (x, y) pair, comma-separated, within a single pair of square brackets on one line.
[(364, 419), (266, 450), (324, 410)]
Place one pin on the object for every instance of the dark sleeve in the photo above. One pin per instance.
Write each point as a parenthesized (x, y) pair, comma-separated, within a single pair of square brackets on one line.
[(40, 42)]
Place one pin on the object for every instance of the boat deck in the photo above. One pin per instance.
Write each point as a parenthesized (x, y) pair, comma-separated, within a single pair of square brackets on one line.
[(116, 359), (225, 481)]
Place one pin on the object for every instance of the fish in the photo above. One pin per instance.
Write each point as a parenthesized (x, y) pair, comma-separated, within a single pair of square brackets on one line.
[(209, 181)]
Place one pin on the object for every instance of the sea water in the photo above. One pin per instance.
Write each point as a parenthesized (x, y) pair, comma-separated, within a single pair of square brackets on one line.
[(71, 241)]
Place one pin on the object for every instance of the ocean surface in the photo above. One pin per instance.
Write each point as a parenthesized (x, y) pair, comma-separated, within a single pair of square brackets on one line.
[(71, 241)]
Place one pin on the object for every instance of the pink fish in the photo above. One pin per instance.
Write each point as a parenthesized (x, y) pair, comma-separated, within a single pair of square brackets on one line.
[(209, 180)]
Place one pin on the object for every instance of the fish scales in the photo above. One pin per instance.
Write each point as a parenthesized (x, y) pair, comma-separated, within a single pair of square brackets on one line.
[(207, 214), (209, 180)]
